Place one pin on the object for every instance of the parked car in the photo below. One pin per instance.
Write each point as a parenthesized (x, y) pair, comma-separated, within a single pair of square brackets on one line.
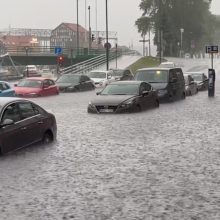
[(74, 83), (23, 123), (6, 90), (31, 71), (101, 78), (167, 65), (201, 79), (35, 87), (124, 96), (191, 86), (169, 82), (122, 74)]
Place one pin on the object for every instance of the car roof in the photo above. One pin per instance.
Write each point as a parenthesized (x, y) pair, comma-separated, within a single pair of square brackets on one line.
[(5, 100), (194, 73), (37, 78), (101, 71), (129, 82), (1, 81), (157, 68)]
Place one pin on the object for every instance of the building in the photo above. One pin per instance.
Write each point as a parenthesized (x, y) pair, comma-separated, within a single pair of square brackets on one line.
[(65, 36)]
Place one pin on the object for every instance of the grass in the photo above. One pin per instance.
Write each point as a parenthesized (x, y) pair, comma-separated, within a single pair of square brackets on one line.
[(144, 62)]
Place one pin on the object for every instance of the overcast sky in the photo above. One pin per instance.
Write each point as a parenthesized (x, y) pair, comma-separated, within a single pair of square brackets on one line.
[(50, 13)]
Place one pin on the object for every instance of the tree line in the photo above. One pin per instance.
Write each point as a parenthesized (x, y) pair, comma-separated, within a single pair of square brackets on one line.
[(178, 24)]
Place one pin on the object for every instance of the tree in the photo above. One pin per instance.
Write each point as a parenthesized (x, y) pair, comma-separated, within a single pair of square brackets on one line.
[(169, 16)]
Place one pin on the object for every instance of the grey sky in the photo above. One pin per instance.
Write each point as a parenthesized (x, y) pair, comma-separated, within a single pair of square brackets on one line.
[(50, 13)]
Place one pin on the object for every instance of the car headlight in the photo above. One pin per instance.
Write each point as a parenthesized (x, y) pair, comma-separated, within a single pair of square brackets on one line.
[(91, 105), (127, 103)]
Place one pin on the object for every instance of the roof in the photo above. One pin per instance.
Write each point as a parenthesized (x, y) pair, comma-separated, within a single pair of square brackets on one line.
[(73, 27), (157, 68), (5, 100), (129, 82), (37, 78)]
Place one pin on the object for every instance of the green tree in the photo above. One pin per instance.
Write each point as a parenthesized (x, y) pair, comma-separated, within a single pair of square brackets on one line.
[(169, 16)]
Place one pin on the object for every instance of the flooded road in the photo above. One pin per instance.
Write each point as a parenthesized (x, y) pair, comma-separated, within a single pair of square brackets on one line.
[(158, 164)]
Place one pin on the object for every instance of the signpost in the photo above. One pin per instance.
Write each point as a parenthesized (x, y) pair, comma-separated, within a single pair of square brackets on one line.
[(211, 72), (58, 50)]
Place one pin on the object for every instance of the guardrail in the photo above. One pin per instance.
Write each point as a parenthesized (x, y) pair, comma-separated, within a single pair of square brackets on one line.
[(90, 64)]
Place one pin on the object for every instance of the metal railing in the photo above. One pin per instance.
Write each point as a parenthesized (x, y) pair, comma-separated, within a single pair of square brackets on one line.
[(88, 65)]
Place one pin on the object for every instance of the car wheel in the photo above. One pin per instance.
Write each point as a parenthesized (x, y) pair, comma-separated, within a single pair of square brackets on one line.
[(183, 95), (47, 138)]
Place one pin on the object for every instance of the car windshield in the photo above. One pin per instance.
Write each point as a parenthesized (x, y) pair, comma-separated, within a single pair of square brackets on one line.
[(30, 83), (166, 65), (69, 79), (125, 89), (186, 80), (152, 76), (197, 77), (101, 75)]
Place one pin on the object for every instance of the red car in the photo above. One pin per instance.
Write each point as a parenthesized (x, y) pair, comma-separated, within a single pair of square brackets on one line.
[(35, 87)]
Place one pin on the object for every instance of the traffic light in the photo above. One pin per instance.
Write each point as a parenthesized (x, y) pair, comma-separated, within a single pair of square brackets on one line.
[(60, 60), (93, 37), (99, 40)]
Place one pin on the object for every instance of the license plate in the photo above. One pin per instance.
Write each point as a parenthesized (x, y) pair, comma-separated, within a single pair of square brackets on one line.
[(106, 110)]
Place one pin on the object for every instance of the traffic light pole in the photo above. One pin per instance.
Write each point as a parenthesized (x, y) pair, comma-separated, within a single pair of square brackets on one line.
[(89, 30), (107, 47)]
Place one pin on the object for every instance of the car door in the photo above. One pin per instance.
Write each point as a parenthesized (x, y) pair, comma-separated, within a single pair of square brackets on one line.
[(31, 124), (12, 135), (83, 84), (173, 83), (46, 88), (52, 87), (146, 100), (89, 83)]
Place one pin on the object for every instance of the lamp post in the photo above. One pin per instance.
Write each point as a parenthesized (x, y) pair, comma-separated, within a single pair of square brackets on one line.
[(107, 43), (181, 41), (26, 51), (77, 27), (90, 40)]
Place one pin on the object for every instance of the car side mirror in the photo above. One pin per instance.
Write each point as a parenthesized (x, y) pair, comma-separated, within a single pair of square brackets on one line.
[(98, 93), (173, 80), (7, 122), (145, 93), (15, 85)]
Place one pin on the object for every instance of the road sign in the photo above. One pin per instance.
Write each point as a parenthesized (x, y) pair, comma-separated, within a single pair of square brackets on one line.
[(211, 49), (58, 50), (107, 45)]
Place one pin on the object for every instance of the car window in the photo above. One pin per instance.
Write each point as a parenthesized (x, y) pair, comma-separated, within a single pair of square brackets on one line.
[(38, 110), (11, 112), (172, 74), (46, 83), (143, 87), (26, 110), (51, 82), (83, 79), (4, 86)]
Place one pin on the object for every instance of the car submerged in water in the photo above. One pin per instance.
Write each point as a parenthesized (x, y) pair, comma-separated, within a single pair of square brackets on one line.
[(201, 79), (169, 82), (124, 96)]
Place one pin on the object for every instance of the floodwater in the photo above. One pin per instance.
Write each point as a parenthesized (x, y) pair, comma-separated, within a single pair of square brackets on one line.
[(161, 164)]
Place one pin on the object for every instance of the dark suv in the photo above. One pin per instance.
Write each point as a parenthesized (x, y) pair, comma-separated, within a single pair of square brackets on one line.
[(169, 82)]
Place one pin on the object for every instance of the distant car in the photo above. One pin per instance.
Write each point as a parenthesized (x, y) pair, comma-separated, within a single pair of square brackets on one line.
[(101, 78), (187, 55), (169, 82), (167, 65), (191, 86), (124, 96), (201, 79), (35, 87), (31, 71), (6, 90), (74, 83), (23, 123), (122, 74)]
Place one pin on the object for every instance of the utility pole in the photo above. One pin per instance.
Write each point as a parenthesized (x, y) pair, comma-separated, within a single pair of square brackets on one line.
[(77, 28), (90, 40), (107, 43)]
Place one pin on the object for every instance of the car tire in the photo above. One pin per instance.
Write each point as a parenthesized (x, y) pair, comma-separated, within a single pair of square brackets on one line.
[(47, 138), (183, 95)]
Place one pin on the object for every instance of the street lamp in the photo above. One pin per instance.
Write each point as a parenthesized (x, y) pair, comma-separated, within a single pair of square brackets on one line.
[(26, 51), (181, 41), (90, 40), (77, 27), (107, 44)]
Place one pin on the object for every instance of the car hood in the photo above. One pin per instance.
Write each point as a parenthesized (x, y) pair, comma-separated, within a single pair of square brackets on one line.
[(97, 80), (110, 99), (65, 85), (27, 90), (158, 86)]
